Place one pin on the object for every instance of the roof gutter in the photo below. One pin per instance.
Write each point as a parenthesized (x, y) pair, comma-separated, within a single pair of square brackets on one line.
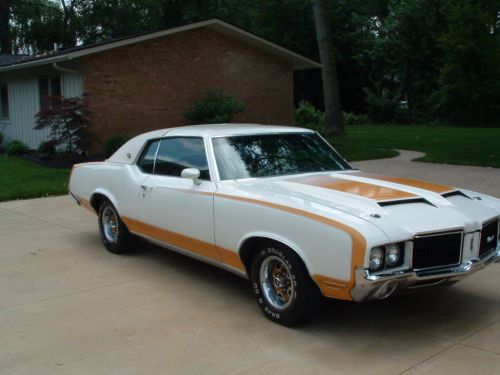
[(30, 64), (57, 67)]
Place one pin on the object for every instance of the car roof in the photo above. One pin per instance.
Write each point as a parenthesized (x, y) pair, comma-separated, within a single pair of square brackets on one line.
[(217, 130), (130, 150)]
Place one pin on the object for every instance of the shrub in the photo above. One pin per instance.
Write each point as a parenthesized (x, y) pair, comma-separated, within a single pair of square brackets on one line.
[(307, 116), (114, 143), (47, 149), (354, 119), (16, 147), (216, 107), (67, 119), (1, 139)]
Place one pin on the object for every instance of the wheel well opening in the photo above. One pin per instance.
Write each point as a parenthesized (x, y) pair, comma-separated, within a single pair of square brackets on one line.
[(250, 246), (96, 201)]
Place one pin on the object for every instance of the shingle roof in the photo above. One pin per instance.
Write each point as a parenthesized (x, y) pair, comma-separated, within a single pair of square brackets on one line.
[(299, 61), (9, 59)]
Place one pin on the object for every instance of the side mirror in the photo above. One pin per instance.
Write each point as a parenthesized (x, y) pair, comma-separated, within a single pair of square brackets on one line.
[(192, 174)]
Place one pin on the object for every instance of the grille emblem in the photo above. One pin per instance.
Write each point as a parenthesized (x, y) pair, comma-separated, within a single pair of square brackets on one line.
[(490, 238)]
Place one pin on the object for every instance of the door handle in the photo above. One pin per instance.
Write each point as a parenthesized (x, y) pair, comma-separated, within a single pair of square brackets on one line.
[(146, 187)]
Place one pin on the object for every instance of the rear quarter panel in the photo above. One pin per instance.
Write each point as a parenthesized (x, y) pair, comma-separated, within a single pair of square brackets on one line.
[(120, 183)]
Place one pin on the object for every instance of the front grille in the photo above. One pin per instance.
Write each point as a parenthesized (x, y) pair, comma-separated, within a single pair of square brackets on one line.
[(437, 250), (489, 237)]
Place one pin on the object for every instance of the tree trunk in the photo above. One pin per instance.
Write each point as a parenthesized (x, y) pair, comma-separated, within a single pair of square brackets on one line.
[(331, 90), (68, 38), (5, 42)]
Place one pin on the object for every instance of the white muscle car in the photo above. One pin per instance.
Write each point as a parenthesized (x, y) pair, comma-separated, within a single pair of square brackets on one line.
[(280, 206)]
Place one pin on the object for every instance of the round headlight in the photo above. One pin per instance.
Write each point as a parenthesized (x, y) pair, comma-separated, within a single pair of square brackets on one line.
[(376, 258), (392, 254)]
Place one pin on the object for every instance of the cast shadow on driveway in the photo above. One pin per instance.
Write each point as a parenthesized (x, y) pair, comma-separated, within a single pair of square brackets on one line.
[(453, 313)]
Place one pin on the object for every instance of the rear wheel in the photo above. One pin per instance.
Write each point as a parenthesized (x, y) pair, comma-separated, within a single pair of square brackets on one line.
[(114, 234), (282, 286)]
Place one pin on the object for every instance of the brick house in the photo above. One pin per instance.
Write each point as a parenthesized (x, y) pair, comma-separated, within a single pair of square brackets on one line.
[(150, 81)]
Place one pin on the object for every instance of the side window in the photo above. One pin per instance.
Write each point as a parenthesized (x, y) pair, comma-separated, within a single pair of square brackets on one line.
[(147, 160), (48, 87), (4, 96), (176, 154)]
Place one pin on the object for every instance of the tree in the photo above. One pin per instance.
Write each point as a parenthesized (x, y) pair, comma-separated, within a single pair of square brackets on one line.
[(36, 25), (68, 121), (469, 92), (331, 90), (405, 60), (68, 19), (5, 41)]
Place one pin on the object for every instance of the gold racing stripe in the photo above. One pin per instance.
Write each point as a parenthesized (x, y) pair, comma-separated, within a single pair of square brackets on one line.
[(440, 189), (375, 192)]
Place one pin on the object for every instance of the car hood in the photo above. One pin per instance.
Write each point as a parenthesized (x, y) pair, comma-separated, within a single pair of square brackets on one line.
[(400, 207)]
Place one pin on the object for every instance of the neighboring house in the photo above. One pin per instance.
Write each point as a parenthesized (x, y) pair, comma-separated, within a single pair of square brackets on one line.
[(150, 81)]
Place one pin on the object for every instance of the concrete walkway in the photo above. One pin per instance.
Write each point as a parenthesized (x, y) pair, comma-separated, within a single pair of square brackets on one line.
[(69, 307)]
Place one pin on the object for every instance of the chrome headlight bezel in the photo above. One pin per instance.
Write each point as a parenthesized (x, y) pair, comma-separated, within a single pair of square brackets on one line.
[(377, 259), (392, 255)]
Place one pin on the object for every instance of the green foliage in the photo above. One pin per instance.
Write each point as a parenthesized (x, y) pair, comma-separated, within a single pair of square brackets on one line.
[(47, 149), (405, 57), (216, 107), (16, 147), (355, 119), (307, 116), (114, 143), (469, 91), (36, 25)]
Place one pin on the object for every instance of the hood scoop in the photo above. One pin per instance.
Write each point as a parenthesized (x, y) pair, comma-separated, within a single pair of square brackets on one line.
[(405, 201), (455, 194)]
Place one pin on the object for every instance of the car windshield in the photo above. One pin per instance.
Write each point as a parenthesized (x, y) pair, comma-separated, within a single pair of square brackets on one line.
[(267, 155)]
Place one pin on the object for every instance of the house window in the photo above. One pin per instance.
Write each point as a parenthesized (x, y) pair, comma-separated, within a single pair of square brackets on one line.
[(48, 87), (4, 106)]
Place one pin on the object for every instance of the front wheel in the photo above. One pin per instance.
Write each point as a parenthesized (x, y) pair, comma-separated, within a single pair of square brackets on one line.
[(284, 291), (114, 234)]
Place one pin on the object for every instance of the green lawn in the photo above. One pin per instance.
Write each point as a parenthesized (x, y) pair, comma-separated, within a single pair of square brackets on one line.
[(21, 179), (450, 145)]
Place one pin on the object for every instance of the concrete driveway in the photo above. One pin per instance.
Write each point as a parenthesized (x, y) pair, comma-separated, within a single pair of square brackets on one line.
[(69, 307)]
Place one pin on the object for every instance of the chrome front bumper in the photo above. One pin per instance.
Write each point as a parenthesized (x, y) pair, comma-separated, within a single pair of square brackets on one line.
[(370, 287)]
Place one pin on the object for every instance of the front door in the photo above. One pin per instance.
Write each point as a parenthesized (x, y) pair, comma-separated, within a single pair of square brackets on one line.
[(173, 209)]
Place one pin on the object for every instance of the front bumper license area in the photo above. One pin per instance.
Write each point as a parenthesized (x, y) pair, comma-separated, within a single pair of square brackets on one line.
[(370, 287)]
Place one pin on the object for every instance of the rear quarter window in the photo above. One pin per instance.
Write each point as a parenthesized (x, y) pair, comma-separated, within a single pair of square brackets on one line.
[(147, 159)]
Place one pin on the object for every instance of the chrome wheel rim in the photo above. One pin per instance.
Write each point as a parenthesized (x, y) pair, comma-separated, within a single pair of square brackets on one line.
[(276, 283), (110, 224)]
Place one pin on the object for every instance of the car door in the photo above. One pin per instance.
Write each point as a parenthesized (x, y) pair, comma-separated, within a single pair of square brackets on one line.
[(175, 210)]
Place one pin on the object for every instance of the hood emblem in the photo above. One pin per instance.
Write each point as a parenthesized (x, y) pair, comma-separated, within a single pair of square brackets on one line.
[(490, 238)]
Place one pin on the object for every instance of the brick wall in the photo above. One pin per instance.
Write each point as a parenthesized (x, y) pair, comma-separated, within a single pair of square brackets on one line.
[(151, 85)]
